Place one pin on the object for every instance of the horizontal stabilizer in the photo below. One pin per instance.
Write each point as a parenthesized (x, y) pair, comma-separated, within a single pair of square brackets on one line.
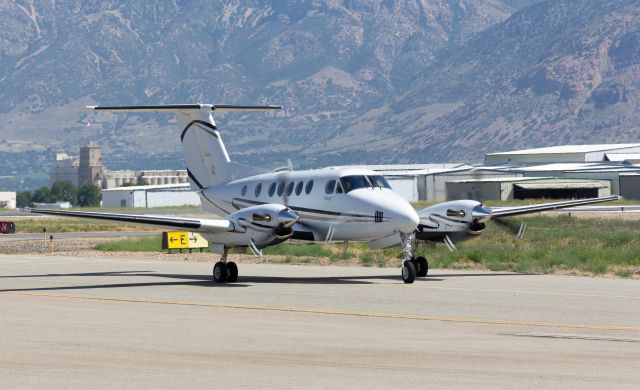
[(184, 107)]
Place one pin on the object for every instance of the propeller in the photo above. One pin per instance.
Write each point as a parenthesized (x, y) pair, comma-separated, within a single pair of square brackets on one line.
[(254, 248), (447, 241), (518, 230), (329, 235)]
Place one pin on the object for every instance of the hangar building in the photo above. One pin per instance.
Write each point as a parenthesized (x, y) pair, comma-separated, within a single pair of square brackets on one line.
[(526, 188), (566, 154), (168, 195)]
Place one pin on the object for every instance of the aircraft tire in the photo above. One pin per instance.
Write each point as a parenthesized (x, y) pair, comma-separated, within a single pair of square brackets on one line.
[(422, 267), (220, 272), (408, 272), (233, 272)]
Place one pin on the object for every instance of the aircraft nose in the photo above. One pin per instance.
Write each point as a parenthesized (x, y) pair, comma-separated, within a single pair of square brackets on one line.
[(407, 219)]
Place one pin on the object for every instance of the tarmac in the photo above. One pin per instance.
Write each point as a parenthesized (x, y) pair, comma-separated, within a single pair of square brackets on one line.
[(72, 322)]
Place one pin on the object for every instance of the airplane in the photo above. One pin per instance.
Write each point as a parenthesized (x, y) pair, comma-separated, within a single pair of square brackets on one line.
[(262, 208)]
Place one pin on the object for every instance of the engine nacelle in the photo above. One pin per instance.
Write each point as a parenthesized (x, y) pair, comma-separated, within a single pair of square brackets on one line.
[(459, 220), (264, 225)]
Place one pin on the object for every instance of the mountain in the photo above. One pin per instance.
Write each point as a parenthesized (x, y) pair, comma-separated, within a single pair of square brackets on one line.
[(559, 72), (362, 81)]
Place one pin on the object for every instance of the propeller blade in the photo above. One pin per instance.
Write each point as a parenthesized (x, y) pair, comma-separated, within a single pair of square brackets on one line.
[(449, 243), (508, 224), (329, 235), (254, 249), (523, 229)]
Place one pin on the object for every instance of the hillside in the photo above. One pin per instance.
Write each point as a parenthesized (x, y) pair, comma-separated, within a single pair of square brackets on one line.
[(361, 81)]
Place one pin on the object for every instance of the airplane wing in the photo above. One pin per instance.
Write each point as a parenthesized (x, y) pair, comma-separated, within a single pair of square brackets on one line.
[(188, 224), (501, 212)]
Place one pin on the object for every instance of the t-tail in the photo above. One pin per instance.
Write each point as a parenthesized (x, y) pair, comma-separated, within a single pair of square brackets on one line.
[(208, 163)]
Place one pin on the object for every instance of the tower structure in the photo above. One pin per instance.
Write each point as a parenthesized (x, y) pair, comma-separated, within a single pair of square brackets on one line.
[(90, 170)]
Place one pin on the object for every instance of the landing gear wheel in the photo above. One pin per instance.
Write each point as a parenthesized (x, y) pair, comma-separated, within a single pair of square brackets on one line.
[(408, 272), (220, 272), (233, 272), (422, 267)]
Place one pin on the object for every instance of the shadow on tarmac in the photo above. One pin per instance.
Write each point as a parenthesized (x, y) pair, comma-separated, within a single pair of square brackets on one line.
[(206, 281)]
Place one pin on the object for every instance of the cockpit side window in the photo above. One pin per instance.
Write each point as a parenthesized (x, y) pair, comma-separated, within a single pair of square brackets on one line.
[(350, 183), (329, 188), (339, 189), (379, 181)]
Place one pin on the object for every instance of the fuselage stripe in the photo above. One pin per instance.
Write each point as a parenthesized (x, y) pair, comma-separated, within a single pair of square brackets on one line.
[(315, 211)]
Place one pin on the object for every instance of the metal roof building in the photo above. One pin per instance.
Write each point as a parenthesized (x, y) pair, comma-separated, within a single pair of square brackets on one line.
[(527, 187), (561, 154), (595, 171)]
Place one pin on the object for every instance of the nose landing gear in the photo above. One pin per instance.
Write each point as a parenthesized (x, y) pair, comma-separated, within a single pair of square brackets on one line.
[(407, 240), (412, 267)]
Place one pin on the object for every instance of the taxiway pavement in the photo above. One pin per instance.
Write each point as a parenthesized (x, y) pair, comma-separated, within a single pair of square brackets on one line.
[(71, 322)]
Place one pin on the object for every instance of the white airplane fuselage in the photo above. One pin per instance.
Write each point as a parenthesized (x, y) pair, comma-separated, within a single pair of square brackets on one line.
[(327, 210)]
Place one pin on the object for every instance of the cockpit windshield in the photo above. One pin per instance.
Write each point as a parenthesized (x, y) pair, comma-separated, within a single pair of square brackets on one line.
[(379, 181), (350, 183)]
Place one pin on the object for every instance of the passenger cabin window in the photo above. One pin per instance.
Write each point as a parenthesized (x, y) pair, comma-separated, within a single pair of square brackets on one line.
[(289, 189), (258, 189), (272, 189), (331, 185), (243, 191), (308, 187), (379, 181), (299, 188), (350, 183), (281, 189)]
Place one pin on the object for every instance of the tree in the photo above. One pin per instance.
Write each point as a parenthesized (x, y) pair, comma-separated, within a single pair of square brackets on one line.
[(23, 199), (64, 191), (89, 196), (42, 195)]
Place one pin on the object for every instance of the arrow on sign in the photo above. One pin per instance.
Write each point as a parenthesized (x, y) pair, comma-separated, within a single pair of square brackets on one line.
[(173, 239)]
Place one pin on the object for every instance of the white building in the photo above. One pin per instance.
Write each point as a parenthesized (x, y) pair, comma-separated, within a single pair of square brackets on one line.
[(170, 195), (7, 200), (65, 168)]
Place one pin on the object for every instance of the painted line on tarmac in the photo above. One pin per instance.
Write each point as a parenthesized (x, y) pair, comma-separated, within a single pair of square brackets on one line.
[(551, 293), (406, 316)]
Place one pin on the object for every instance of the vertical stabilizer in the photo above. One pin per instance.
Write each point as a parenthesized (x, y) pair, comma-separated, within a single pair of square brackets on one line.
[(208, 163)]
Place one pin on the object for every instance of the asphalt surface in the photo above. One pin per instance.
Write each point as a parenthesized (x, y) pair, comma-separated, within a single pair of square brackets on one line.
[(70, 322), (108, 234)]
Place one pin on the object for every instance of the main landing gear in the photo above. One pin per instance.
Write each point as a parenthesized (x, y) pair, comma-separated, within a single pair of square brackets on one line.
[(224, 271), (411, 266)]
